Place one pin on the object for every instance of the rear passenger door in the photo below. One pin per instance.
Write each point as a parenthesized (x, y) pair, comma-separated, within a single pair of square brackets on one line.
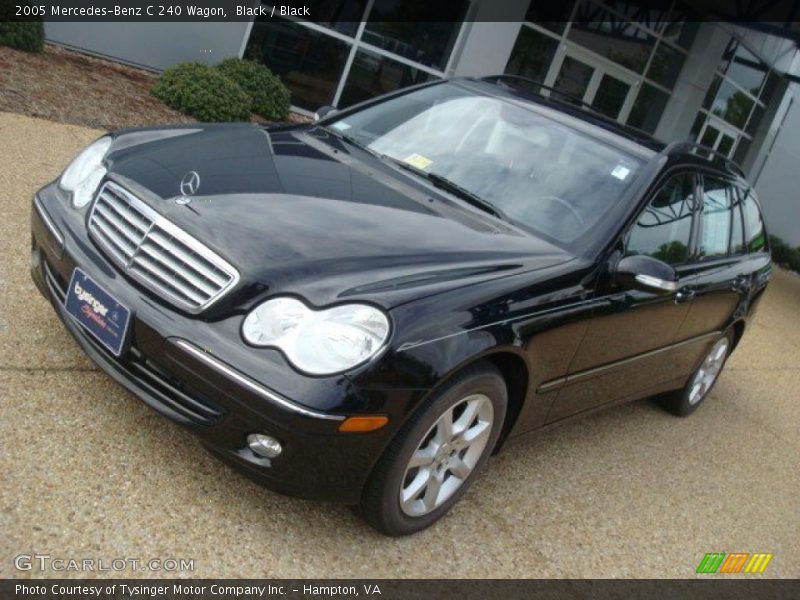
[(723, 279)]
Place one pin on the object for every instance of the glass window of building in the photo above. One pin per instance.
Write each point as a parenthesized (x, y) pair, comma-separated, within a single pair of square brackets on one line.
[(308, 62), (424, 32), (743, 67), (610, 96), (666, 65), (532, 54), (619, 56), (356, 49), (731, 104), (612, 36), (737, 95), (340, 15), (372, 74), (550, 15), (647, 108), (680, 31)]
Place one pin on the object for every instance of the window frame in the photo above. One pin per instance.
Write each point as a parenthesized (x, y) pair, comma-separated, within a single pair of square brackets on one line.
[(738, 210), (664, 180)]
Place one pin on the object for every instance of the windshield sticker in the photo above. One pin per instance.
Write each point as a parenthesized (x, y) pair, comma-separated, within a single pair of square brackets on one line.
[(341, 126), (417, 160), (621, 172)]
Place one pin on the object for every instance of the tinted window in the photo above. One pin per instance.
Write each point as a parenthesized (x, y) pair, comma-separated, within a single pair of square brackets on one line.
[(716, 232), (372, 75), (424, 32), (755, 237), (531, 54), (737, 233), (308, 62), (663, 229), (602, 31)]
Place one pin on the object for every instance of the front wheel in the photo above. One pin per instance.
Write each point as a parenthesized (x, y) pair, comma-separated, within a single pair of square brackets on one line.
[(434, 457), (703, 379)]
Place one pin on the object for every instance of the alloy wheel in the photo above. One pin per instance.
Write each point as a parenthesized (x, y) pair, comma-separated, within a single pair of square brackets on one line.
[(708, 372), (446, 455)]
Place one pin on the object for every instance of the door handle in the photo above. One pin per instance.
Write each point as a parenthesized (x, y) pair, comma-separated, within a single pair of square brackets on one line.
[(684, 295)]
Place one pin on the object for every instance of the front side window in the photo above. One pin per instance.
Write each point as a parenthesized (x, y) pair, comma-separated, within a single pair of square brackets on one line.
[(755, 235), (526, 160), (664, 228), (717, 217)]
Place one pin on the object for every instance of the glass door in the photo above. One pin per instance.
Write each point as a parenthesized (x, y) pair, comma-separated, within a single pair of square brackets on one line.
[(719, 136), (582, 76)]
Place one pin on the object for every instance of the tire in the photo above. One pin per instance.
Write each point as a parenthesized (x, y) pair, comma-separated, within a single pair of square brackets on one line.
[(689, 399), (479, 389)]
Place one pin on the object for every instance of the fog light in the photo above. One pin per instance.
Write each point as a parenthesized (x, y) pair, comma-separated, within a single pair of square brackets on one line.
[(264, 445)]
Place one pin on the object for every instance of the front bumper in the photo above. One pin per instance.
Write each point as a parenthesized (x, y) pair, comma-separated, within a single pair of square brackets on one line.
[(200, 375)]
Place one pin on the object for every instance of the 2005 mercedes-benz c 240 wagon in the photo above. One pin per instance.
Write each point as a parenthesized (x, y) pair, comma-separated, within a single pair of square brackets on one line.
[(363, 309)]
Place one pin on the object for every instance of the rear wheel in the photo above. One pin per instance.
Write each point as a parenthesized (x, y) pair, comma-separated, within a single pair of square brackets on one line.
[(703, 379), (433, 459)]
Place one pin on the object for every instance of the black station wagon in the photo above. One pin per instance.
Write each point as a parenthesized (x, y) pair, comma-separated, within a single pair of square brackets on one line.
[(365, 308)]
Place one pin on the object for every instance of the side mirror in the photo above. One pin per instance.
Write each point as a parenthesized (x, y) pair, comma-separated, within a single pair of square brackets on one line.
[(647, 274), (323, 111)]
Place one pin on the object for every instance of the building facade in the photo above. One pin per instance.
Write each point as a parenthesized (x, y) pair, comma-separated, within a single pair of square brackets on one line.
[(727, 86)]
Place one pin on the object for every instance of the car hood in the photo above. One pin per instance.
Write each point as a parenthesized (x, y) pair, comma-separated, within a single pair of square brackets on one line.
[(299, 211)]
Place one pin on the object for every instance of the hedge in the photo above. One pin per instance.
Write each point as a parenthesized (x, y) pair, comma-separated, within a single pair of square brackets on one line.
[(202, 92), (270, 96)]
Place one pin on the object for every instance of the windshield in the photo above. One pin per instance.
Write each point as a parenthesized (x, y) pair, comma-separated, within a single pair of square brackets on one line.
[(541, 173)]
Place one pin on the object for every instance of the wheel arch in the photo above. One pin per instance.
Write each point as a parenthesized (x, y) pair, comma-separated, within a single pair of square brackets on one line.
[(516, 372)]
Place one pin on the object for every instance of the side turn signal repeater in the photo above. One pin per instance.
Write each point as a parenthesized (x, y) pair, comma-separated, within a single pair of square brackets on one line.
[(363, 423)]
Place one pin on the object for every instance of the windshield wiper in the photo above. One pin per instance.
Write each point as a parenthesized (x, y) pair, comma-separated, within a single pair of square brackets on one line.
[(434, 178), (451, 187)]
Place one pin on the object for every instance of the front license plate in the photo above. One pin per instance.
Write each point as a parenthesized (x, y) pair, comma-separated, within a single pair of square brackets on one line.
[(97, 311)]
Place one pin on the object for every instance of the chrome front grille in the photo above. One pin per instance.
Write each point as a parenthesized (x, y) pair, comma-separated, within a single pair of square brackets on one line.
[(155, 252)]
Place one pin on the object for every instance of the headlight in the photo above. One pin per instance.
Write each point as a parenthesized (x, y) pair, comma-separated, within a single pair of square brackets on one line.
[(320, 342), (83, 174)]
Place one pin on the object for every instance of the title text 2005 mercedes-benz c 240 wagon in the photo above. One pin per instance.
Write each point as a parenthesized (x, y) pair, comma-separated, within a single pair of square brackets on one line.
[(364, 308)]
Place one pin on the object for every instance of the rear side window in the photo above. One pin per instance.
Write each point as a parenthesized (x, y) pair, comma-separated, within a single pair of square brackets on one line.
[(717, 216), (664, 227), (755, 236)]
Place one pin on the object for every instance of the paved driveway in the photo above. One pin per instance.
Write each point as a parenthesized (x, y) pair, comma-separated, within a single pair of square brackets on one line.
[(89, 471)]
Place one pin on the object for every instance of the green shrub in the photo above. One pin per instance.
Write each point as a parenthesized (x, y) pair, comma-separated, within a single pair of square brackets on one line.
[(202, 92), (783, 254), (270, 96), (25, 35)]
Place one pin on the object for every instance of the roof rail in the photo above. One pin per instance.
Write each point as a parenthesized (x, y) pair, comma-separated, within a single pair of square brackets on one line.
[(710, 154), (555, 95)]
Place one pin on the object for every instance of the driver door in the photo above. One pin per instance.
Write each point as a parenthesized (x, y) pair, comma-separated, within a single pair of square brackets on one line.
[(626, 346)]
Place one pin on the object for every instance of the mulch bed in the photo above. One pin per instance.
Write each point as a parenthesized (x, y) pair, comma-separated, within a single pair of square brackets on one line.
[(70, 87)]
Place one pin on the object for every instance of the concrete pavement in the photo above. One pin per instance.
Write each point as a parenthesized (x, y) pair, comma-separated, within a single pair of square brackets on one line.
[(91, 472)]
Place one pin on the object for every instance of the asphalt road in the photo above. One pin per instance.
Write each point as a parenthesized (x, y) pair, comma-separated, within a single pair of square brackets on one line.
[(88, 471)]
